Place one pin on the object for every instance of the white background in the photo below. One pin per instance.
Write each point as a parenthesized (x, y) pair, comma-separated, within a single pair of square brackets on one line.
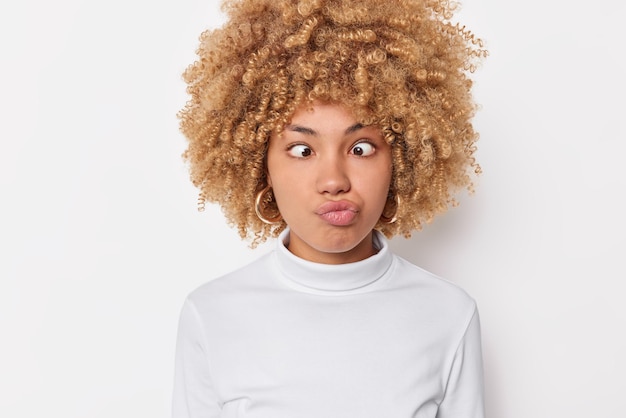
[(100, 239)]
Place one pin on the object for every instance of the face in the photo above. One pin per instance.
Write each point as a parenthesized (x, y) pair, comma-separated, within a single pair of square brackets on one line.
[(330, 176)]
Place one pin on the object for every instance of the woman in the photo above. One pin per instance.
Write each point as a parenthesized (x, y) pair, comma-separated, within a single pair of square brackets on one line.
[(330, 124)]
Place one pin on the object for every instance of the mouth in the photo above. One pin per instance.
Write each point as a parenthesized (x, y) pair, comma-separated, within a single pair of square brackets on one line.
[(339, 213)]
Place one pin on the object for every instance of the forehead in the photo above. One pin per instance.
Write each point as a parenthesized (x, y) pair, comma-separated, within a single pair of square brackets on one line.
[(323, 118)]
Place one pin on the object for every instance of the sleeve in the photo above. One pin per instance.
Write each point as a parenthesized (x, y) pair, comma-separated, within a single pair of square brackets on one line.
[(463, 396), (194, 395)]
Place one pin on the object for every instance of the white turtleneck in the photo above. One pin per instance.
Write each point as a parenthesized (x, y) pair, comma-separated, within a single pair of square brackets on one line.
[(288, 338)]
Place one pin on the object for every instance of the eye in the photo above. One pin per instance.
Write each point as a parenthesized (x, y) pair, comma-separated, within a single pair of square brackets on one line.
[(363, 149), (300, 151)]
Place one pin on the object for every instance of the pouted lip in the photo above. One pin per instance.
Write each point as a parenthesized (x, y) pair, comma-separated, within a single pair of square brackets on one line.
[(336, 206)]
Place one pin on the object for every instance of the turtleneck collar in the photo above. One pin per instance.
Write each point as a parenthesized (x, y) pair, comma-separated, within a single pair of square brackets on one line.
[(334, 279)]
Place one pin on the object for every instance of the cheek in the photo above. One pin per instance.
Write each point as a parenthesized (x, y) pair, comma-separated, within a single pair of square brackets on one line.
[(283, 190), (374, 185), (383, 181), (382, 175)]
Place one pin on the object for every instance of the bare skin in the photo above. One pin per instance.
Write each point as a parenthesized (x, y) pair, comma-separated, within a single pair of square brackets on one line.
[(330, 177)]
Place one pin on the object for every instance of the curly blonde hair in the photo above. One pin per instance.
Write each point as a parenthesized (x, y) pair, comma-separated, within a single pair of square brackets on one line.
[(398, 64)]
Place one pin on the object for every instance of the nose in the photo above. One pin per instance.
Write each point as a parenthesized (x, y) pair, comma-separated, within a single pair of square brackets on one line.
[(332, 176)]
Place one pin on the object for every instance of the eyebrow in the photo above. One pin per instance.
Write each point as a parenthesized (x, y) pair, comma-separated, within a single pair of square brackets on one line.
[(308, 131)]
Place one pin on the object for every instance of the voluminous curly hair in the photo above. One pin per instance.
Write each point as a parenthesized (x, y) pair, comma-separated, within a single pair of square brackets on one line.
[(398, 64)]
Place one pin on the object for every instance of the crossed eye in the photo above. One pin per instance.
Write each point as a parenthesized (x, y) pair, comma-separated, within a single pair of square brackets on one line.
[(300, 150), (361, 149)]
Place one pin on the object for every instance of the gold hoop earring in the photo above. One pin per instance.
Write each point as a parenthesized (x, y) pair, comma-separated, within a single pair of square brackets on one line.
[(389, 220), (259, 201)]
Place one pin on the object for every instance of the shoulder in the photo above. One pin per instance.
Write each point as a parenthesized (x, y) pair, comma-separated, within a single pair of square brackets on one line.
[(234, 285), (432, 291)]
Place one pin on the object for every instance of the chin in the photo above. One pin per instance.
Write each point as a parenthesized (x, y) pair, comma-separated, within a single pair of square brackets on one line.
[(337, 242)]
